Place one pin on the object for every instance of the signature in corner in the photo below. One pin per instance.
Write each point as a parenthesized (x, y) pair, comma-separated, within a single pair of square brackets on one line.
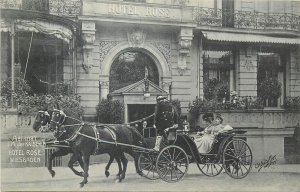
[(272, 160)]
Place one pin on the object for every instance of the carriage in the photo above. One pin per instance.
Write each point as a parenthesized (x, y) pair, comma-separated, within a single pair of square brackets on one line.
[(171, 163)]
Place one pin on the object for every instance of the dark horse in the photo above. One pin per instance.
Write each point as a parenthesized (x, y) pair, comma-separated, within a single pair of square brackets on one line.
[(41, 122), (84, 139)]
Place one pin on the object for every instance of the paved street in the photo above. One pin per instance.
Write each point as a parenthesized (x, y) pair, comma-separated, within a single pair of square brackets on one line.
[(276, 178)]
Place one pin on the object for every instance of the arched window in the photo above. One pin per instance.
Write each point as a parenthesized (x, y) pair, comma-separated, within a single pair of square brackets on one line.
[(130, 67)]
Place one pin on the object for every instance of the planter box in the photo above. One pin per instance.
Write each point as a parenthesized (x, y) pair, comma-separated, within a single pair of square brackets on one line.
[(272, 119)]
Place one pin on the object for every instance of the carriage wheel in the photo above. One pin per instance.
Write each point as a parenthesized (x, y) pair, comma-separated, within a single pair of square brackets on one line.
[(237, 158), (147, 162), (210, 169), (172, 164)]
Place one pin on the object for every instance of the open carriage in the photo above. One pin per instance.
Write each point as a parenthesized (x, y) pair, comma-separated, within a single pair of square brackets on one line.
[(172, 161)]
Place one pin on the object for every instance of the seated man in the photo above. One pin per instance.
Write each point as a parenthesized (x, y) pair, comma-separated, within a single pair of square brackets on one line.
[(204, 142)]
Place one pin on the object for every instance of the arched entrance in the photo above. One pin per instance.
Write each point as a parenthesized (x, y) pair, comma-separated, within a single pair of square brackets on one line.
[(130, 67), (164, 71)]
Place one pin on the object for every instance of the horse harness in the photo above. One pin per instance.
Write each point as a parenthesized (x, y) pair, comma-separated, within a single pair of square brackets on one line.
[(96, 131)]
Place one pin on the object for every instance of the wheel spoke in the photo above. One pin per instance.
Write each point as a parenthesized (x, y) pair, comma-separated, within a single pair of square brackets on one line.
[(147, 166), (233, 150), (169, 154), (230, 155), (178, 155), (241, 169), (174, 151), (207, 168), (212, 170), (243, 165), (166, 157), (181, 159), (165, 173)]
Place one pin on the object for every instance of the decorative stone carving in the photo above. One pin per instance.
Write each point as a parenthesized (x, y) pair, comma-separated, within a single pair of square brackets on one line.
[(136, 38), (185, 42), (88, 35), (165, 49), (105, 47), (104, 83)]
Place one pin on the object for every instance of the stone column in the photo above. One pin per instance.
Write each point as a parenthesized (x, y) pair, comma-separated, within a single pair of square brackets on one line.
[(247, 74), (104, 86), (166, 84), (185, 37), (74, 63), (12, 41), (88, 35)]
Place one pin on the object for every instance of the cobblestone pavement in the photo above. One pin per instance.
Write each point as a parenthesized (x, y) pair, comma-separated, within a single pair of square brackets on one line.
[(276, 178)]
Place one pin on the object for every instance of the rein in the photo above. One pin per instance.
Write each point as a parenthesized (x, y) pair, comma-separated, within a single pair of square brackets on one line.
[(140, 120)]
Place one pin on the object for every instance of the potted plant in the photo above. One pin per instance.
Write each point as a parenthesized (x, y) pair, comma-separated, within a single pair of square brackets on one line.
[(269, 90)]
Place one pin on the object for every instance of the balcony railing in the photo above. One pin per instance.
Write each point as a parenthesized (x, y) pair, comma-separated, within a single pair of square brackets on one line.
[(66, 8), (245, 19)]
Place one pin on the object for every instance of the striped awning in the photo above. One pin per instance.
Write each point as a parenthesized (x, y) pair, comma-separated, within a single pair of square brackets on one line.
[(248, 38), (48, 28)]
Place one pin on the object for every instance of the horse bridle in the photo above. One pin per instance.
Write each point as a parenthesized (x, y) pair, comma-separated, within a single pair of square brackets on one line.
[(59, 128), (45, 127), (61, 115)]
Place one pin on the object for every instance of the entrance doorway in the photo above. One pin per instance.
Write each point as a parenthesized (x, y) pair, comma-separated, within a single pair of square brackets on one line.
[(131, 67), (139, 111)]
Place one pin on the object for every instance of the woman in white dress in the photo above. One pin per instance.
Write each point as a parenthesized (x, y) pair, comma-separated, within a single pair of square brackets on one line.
[(205, 141)]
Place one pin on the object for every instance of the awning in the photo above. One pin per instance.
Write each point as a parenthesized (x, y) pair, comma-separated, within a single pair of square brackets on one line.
[(52, 29), (249, 38)]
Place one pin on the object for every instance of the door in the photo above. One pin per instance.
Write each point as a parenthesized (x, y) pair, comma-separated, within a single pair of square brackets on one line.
[(140, 111)]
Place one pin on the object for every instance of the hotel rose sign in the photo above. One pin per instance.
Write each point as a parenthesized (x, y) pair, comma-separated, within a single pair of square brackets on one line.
[(137, 11), (118, 9)]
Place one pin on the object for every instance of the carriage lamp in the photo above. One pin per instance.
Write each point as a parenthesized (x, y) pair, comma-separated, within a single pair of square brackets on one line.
[(146, 95)]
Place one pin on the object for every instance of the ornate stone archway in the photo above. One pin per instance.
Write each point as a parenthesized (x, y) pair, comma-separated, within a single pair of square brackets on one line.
[(159, 59)]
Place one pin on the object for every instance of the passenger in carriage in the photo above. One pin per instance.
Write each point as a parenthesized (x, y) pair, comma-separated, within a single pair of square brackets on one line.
[(205, 141)]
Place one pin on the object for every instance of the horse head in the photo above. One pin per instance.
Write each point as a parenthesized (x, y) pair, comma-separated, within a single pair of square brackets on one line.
[(63, 125), (41, 122), (57, 120)]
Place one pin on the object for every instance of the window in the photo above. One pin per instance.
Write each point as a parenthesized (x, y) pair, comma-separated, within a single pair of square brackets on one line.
[(270, 72), (228, 13), (130, 67), (217, 71)]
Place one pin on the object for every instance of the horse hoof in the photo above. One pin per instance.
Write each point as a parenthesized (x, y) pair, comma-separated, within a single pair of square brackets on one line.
[(81, 174), (52, 173), (140, 173), (118, 181), (107, 173), (82, 183)]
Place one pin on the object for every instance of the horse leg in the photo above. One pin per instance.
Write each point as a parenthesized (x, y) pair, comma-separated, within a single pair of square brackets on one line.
[(120, 166), (59, 152), (124, 162), (111, 158), (136, 158), (86, 163), (73, 159)]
